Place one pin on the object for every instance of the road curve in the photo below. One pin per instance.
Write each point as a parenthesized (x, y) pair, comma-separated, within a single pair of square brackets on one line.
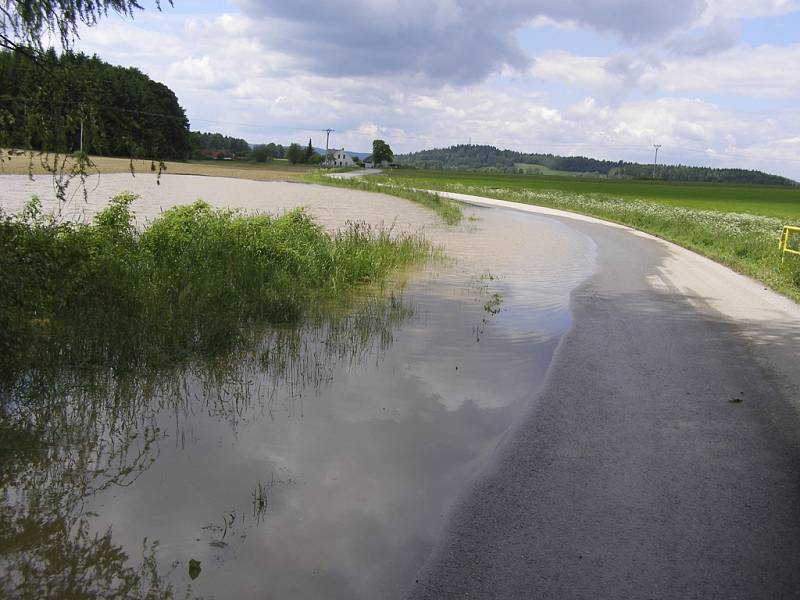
[(662, 458)]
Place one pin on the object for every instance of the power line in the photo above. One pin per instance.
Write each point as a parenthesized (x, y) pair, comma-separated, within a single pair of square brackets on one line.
[(327, 139)]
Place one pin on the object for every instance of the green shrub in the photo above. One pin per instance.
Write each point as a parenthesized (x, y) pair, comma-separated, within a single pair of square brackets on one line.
[(190, 283)]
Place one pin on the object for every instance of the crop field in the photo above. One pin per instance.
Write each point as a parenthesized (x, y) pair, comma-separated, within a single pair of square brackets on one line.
[(771, 201), (278, 170), (531, 169)]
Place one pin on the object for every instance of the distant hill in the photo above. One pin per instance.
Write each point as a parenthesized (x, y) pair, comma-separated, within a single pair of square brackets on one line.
[(489, 158)]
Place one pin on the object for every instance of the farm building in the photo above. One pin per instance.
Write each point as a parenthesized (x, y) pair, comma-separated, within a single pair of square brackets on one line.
[(339, 158)]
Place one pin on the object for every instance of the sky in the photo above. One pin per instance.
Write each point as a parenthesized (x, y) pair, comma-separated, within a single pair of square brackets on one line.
[(714, 82)]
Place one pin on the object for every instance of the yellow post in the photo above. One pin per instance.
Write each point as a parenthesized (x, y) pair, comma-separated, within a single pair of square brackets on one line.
[(786, 236)]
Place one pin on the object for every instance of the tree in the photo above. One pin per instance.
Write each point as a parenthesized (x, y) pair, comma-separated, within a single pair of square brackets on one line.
[(23, 27), (122, 112), (260, 154), (208, 145), (381, 152), (309, 151), (295, 154), (24, 24)]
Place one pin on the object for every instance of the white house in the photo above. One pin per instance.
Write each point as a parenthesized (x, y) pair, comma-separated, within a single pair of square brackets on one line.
[(340, 158)]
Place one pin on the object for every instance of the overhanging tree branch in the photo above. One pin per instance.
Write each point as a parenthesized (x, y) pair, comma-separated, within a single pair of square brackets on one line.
[(24, 23)]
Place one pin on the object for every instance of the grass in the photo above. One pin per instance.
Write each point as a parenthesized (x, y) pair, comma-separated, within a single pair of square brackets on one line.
[(781, 202), (278, 170), (190, 284), (448, 211), (746, 241)]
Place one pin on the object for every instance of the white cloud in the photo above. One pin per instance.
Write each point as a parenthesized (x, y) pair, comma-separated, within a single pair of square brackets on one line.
[(719, 35), (761, 72), (444, 41), (234, 74), (201, 73), (747, 9)]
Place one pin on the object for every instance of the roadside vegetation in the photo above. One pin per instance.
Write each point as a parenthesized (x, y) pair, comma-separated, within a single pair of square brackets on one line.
[(449, 211), (745, 241), (190, 284)]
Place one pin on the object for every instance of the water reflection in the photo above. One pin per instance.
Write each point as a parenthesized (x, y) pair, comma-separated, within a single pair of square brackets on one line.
[(317, 461), (71, 436)]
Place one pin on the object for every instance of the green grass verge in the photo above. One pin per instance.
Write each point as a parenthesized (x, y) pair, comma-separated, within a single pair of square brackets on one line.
[(782, 202), (448, 211), (188, 285), (747, 243)]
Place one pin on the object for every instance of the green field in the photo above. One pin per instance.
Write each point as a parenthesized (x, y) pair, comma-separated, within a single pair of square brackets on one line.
[(531, 169), (772, 201)]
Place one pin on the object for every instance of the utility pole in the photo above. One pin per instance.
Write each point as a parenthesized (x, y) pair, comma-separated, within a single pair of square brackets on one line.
[(81, 135), (327, 139), (655, 160)]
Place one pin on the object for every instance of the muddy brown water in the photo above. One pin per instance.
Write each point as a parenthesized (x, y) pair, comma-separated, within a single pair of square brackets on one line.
[(332, 478)]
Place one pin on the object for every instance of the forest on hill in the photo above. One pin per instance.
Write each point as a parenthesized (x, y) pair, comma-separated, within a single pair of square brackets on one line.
[(475, 157), (45, 103)]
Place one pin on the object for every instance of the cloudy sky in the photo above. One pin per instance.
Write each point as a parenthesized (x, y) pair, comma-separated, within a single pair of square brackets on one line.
[(716, 82)]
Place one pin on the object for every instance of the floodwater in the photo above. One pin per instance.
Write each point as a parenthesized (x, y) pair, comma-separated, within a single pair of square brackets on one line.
[(328, 476)]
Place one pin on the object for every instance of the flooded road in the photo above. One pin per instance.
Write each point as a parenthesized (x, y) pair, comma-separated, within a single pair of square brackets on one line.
[(319, 463)]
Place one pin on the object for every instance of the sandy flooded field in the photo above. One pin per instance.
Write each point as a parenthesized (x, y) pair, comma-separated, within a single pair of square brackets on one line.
[(332, 207)]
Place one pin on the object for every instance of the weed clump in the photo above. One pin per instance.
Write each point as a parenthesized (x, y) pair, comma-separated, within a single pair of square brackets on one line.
[(190, 283)]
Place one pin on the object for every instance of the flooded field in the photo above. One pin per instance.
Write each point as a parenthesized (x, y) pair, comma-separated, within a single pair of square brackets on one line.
[(318, 462), (332, 208)]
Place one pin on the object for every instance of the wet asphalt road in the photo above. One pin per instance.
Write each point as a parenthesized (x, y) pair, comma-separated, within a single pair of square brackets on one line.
[(662, 460)]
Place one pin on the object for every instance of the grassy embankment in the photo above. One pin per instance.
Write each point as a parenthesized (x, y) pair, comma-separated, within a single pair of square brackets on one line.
[(736, 225), (190, 284)]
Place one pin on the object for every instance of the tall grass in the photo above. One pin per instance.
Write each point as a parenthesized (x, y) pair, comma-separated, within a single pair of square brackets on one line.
[(448, 211), (745, 242), (190, 283)]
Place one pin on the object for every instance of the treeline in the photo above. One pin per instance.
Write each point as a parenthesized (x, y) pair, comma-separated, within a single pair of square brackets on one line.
[(474, 157), (698, 174), (217, 145), (51, 102)]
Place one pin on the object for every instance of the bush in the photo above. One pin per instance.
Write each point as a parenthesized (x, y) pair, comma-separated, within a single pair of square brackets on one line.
[(188, 284)]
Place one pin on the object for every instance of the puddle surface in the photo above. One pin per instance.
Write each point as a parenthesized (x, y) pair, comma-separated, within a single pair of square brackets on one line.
[(328, 476)]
